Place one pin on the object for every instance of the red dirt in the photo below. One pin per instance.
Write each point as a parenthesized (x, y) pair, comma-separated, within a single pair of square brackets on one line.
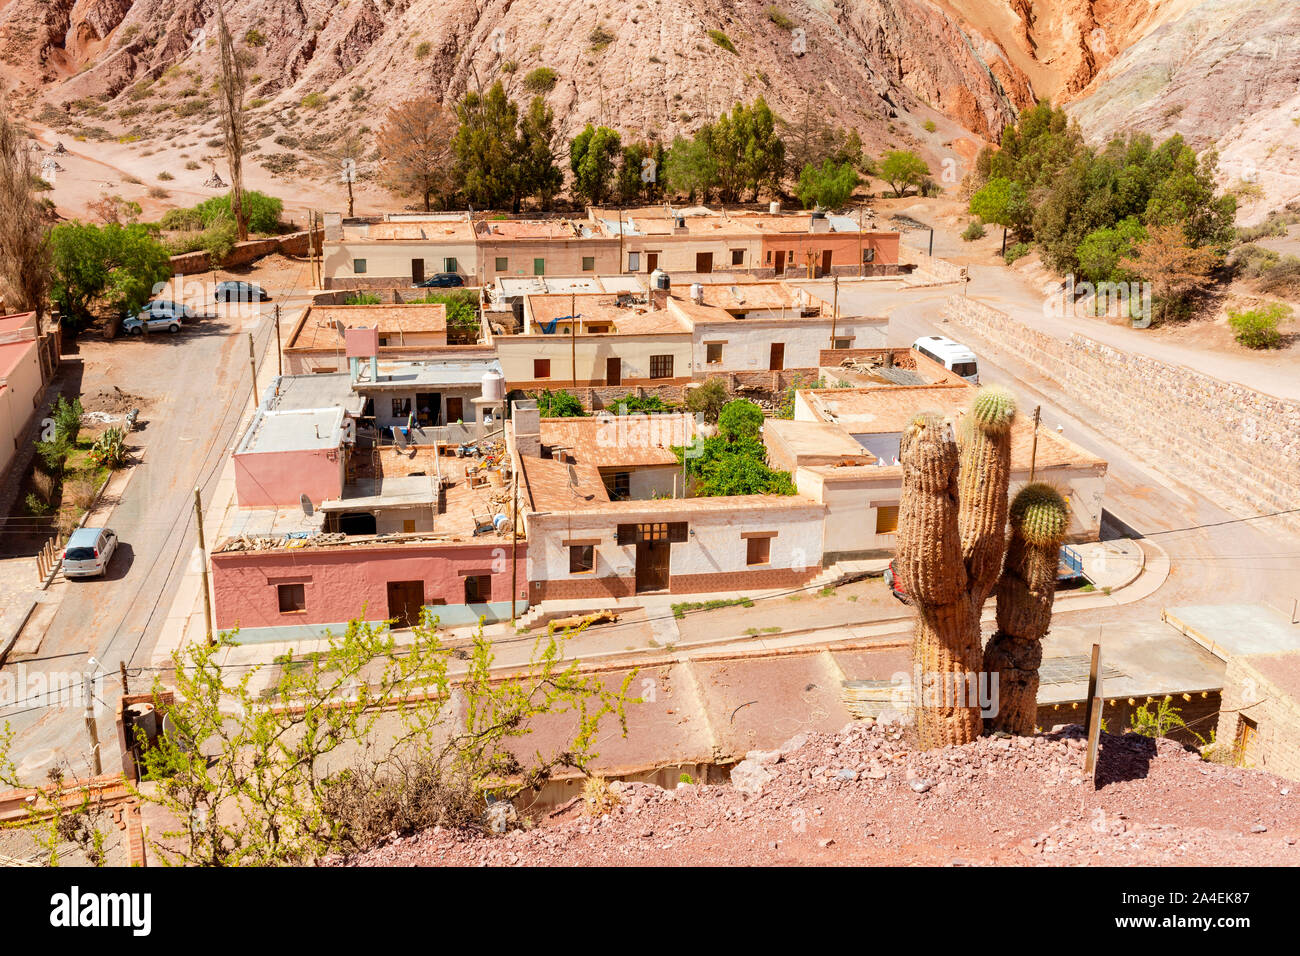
[(852, 798)]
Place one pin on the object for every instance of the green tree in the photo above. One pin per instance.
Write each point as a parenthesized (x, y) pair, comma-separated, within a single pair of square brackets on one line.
[(1004, 202), (740, 419), (1102, 249), (828, 186), (708, 399), (593, 157), (559, 404), (903, 170), (487, 149), (1258, 328), (119, 265), (541, 177), (637, 161), (689, 168)]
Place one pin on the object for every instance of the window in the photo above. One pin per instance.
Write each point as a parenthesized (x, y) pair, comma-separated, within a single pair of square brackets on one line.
[(293, 597), (588, 263), (674, 532), (539, 267), (503, 263), (582, 558), (619, 485), (383, 341), (758, 550), (768, 258), (737, 257), (478, 588), (541, 368), (401, 407), (713, 353), (886, 519), (868, 255), (843, 344), (661, 366), (634, 262), (964, 369), (359, 266), (450, 265)]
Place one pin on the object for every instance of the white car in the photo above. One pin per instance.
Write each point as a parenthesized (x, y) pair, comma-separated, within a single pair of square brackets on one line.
[(88, 552), (159, 315)]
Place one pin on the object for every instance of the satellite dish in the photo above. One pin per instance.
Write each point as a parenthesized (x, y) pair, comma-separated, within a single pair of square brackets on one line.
[(399, 439), (307, 508), (573, 477), (340, 328)]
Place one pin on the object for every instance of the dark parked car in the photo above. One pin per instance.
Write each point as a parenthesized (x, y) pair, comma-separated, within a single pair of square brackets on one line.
[(443, 280), (240, 292)]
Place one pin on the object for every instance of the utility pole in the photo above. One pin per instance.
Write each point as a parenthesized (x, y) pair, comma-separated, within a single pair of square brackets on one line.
[(121, 670), (573, 341), (91, 730), (1033, 455), (1004, 241), (514, 542), (203, 567), (279, 352), (931, 242), (835, 308), (862, 267), (252, 363)]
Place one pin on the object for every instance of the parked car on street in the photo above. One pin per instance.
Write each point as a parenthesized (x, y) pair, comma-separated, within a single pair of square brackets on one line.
[(240, 292), (160, 315), (88, 552), (443, 280)]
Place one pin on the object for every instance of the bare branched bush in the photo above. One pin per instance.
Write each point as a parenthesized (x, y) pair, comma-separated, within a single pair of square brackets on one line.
[(24, 239)]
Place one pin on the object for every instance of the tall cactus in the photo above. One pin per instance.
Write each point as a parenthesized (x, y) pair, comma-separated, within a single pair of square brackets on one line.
[(1026, 590), (951, 538)]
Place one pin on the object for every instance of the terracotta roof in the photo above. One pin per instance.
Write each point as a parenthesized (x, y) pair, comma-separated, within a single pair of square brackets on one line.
[(660, 509), (534, 229), (442, 230), (551, 486), (317, 331), (618, 441), (602, 307)]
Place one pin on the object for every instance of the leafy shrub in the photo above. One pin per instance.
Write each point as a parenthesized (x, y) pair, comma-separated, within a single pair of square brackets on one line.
[(422, 50), (313, 101), (109, 450), (708, 400), (930, 126), (1258, 328), (722, 40), (559, 404), (600, 38), (255, 37), (540, 80), (1016, 251), (363, 298), (974, 231)]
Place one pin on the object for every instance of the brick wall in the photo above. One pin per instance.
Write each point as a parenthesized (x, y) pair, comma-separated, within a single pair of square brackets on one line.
[(1247, 693), (1240, 444)]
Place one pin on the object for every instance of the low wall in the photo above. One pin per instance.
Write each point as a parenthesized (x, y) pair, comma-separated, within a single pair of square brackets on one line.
[(1241, 444), (292, 244)]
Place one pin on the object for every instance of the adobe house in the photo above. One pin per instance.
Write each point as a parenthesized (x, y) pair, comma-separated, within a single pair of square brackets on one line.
[(582, 544), (400, 251), (317, 342), (541, 247)]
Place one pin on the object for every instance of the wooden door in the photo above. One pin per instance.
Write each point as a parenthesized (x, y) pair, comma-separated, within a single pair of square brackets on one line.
[(455, 410), (704, 262), (417, 271), (651, 261), (780, 263), (777, 360), (405, 599), (613, 371), (652, 558), (826, 262)]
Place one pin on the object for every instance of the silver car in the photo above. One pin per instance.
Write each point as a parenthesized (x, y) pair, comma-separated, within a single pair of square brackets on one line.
[(88, 552)]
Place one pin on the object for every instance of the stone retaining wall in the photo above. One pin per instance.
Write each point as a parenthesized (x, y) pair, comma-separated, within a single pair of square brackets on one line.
[(1241, 445)]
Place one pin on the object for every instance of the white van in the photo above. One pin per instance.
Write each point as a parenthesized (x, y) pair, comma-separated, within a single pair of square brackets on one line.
[(953, 356)]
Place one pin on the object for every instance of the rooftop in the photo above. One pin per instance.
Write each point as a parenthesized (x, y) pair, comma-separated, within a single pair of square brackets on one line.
[(399, 492), (813, 443), (442, 230), (403, 376), (290, 393), (618, 441), (316, 329), (1239, 630), (513, 286), (306, 429), (556, 486), (535, 229), (603, 308)]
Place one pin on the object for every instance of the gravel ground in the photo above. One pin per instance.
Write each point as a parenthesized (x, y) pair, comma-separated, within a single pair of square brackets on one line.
[(863, 797)]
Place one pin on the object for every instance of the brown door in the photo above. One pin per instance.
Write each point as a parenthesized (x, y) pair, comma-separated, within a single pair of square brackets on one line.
[(613, 371), (455, 410), (778, 357), (405, 599), (417, 271), (826, 262), (651, 261), (703, 262), (652, 565), (780, 263)]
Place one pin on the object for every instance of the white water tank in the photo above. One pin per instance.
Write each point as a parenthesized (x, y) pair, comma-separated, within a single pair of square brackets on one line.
[(659, 281), (774, 208), (494, 386), (697, 293)]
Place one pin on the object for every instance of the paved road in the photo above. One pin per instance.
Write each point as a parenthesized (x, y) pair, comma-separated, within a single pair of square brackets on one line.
[(202, 381)]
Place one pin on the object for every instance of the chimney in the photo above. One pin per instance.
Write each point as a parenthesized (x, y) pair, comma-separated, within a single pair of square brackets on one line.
[(527, 427)]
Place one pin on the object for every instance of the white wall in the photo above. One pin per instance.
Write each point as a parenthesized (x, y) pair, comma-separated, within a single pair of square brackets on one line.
[(748, 342)]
